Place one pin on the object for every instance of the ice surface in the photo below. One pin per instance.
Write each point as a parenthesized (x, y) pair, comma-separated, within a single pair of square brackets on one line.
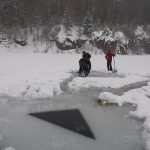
[(112, 126), (38, 82)]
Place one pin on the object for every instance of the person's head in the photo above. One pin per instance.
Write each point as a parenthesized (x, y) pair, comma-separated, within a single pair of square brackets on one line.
[(83, 54), (88, 56), (108, 51)]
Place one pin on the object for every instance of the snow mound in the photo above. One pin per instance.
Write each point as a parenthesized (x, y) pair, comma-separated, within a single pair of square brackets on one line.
[(110, 98)]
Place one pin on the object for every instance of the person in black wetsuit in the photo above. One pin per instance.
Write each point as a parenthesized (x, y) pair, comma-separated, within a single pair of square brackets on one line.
[(84, 65)]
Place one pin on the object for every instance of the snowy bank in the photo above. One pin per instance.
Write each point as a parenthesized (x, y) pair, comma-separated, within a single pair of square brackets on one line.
[(25, 76), (105, 82), (139, 97)]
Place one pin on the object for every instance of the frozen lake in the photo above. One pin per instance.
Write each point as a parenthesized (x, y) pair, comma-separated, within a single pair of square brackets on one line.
[(36, 83), (111, 125)]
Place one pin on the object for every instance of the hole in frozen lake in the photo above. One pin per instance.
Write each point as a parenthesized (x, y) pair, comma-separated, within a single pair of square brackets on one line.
[(69, 119)]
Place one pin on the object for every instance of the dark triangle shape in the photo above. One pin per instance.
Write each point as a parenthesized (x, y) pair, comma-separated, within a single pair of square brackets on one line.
[(69, 119)]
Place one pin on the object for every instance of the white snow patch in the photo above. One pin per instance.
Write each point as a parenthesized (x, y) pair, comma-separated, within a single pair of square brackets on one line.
[(106, 35), (141, 34), (110, 97), (72, 34), (117, 82), (122, 38)]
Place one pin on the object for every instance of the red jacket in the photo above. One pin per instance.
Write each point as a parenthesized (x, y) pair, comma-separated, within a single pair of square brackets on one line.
[(108, 56)]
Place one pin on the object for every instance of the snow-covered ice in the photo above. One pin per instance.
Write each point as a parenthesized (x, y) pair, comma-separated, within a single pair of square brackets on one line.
[(31, 77), (116, 82)]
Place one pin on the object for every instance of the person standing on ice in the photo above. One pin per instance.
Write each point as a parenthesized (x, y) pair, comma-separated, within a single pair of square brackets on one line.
[(108, 57), (84, 65)]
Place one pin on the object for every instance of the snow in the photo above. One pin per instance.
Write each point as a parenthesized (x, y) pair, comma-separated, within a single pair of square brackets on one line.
[(141, 34), (110, 82), (110, 97), (121, 37), (106, 35), (140, 98), (109, 36), (30, 77), (72, 34), (67, 37)]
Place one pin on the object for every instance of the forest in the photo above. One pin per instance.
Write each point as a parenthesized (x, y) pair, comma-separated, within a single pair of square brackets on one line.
[(118, 15)]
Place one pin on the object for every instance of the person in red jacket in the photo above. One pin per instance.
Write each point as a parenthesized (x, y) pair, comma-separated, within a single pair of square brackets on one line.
[(108, 57)]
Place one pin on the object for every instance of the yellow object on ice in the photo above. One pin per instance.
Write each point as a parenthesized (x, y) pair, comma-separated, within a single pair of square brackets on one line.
[(104, 102)]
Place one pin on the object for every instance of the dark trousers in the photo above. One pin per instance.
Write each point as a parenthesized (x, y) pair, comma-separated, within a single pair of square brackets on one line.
[(109, 66), (84, 69)]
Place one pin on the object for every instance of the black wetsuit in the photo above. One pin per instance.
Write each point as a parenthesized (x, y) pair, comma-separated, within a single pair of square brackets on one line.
[(85, 66)]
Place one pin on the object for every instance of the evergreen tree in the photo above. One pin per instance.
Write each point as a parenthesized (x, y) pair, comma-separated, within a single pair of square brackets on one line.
[(87, 25), (67, 21), (8, 11)]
